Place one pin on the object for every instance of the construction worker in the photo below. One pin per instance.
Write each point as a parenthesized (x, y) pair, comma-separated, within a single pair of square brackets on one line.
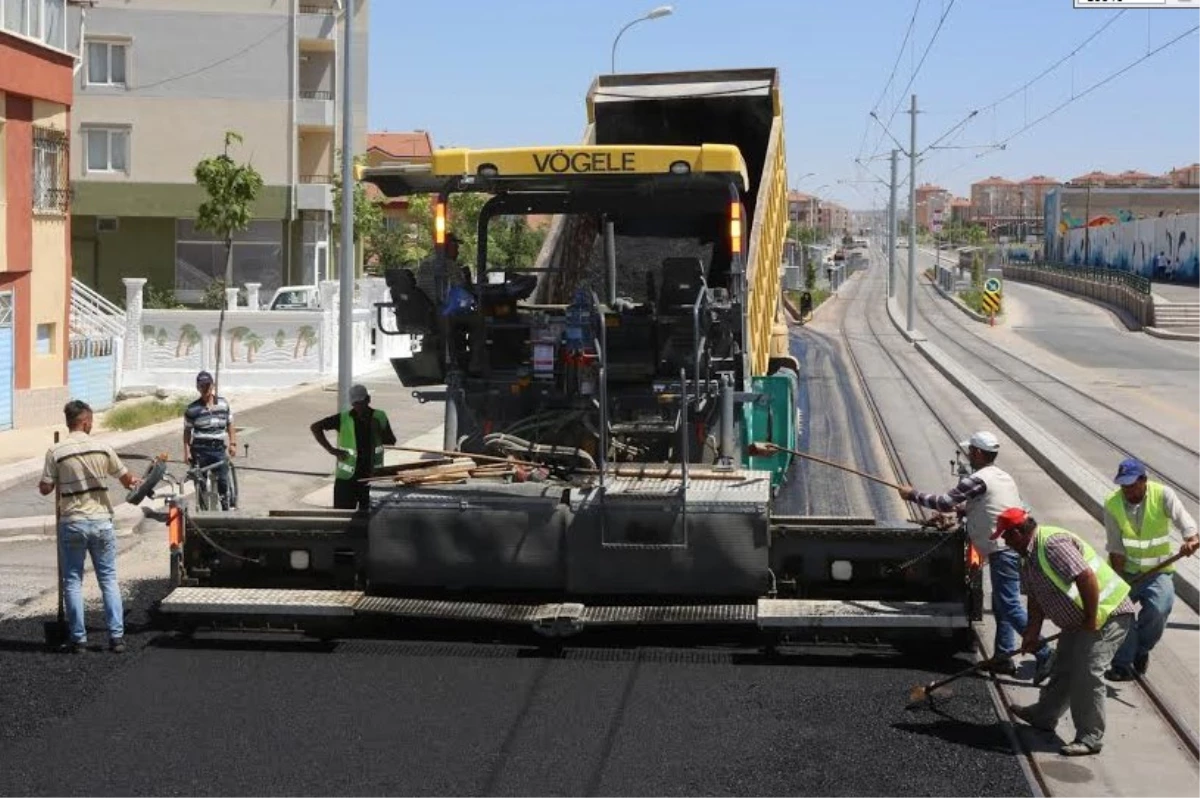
[(79, 468), (362, 433), (1079, 592), (1137, 519), (981, 496)]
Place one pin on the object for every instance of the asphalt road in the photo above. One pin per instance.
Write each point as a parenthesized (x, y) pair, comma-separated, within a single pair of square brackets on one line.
[(282, 716)]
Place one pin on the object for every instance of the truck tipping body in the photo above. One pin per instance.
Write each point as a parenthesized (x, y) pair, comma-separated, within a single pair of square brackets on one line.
[(637, 361)]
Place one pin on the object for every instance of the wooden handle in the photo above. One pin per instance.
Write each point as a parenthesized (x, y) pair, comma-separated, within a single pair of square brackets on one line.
[(807, 456)]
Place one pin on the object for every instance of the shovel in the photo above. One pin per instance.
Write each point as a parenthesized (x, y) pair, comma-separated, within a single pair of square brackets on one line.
[(55, 632)]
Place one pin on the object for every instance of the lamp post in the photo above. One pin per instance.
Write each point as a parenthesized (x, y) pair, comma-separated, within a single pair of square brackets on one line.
[(656, 13)]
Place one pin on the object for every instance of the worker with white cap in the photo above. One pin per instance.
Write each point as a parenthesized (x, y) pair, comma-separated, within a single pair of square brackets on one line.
[(362, 431), (981, 496)]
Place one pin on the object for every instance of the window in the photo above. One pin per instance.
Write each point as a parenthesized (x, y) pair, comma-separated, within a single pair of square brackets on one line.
[(107, 149), (45, 339), (200, 257), (106, 63), (44, 20), (50, 152)]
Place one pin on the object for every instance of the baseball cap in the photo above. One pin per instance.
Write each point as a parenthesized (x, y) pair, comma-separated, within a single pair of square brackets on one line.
[(1013, 516), (358, 393), (983, 440), (1130, 471), (204, 377)]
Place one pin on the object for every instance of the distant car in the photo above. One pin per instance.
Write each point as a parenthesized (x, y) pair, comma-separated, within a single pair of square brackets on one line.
[(295, 297)]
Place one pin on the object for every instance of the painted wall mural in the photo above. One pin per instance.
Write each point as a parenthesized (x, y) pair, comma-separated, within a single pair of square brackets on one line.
[(1160, 248), (268, 340)]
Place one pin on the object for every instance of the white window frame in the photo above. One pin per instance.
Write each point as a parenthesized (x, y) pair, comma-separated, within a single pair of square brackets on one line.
[(109, 44), (87, 130), (28, 18)]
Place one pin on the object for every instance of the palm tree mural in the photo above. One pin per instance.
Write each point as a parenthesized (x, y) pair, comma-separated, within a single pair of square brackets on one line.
[(235, 337), (149, 332), (280, 339), (253, 343), (306, 337), (162, 337), (189, 337)]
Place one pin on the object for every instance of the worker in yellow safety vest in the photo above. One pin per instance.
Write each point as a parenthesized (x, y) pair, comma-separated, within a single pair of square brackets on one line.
[(1137, 519), (1069, 583), (362, 432)]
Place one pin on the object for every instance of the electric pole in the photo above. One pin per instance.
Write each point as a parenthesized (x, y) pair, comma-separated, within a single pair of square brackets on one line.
[(346, 270), (912, 216), (892, 230)]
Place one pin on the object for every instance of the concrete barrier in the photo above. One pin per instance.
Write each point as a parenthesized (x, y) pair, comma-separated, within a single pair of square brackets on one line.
[(1124, 297)]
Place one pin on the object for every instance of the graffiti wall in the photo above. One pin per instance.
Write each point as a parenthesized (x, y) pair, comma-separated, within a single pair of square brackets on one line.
[(1162, 248)]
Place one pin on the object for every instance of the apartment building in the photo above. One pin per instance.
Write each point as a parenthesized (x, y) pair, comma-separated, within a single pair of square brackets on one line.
[(158, 85), (931, 201), (391, 149), (35, 265)]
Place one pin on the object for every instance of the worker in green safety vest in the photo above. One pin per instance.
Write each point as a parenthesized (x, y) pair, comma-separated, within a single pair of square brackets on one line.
[(1069, 583), (1137, 519), (362, 432)]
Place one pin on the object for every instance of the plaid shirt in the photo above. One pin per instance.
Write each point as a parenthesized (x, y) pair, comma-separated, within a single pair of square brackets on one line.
[(1066, 559), (968, 487)]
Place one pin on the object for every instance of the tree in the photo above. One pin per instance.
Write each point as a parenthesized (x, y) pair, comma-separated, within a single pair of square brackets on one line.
[(512, 244), (232, 189), (367, 212)]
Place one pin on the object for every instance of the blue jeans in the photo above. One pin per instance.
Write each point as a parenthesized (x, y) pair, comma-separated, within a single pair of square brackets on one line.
[(1156, 596), (1010, 615), (79, 537), (206, 456)]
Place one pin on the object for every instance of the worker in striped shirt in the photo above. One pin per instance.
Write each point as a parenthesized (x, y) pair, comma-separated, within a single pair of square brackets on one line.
[(1072, 585), (79, 468), (1138, 517)]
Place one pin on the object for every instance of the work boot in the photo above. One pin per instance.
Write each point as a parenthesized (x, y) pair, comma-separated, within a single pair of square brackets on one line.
[(73, 647), (1027, 714), (1042, 669), (117, 645), (1140, 663), (1079, 749), (1120, 673)]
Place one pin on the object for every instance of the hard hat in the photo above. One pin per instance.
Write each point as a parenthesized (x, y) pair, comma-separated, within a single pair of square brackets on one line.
[(983, 440)]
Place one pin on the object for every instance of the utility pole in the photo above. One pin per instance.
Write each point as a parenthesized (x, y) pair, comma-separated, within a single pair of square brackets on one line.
[(346, 270), (892, 230), (912, 216)]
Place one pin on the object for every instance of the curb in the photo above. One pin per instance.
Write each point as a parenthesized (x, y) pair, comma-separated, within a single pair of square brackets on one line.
[(963, 306), (1170, 335), (1081, 482)]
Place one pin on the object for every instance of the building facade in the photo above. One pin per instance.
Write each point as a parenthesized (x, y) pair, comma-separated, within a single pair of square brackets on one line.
[(159, 84), (35, 225), (392, 149), (932, 201)]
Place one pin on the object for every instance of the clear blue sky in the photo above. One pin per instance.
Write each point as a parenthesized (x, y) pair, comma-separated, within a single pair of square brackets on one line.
[(481, 73)]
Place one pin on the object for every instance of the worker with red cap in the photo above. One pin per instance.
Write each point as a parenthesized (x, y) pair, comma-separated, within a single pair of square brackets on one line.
[(1138, 517), (1072, 585), (979, 497)]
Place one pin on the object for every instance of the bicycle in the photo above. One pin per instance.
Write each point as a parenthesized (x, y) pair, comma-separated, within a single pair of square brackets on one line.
[(204, 483)]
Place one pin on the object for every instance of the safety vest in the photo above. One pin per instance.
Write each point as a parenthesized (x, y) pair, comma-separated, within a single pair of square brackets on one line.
[(1150, 545), (1113, 588), (346, 440)]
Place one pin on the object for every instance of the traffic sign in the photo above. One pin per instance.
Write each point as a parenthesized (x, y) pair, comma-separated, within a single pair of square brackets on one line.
[(990, 302), (992, 285)]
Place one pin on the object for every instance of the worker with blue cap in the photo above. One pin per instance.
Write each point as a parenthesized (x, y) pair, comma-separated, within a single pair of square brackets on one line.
[(1138, 517)]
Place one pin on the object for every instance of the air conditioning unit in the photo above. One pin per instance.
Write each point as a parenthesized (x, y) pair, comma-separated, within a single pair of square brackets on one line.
[(107, 224)]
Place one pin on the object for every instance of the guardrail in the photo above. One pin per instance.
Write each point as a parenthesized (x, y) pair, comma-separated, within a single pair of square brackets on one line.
[(1124, 290)]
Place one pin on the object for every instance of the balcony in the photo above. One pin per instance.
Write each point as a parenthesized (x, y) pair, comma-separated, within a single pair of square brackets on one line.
[(315, 193), (315, 109), (317, 22)]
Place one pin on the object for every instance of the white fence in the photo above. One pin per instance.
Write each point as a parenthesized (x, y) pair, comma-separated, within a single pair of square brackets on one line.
[(258, 349)]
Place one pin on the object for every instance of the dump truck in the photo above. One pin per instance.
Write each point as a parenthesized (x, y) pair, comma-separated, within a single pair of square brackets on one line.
[(607, 403)]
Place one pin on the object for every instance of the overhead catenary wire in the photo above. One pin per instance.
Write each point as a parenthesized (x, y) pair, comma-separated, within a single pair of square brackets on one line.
[(213, 64), (883, 92)]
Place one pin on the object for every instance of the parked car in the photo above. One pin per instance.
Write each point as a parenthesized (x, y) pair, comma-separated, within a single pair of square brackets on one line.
[(294, 297)]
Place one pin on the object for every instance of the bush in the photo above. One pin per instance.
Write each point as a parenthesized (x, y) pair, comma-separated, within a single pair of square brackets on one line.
[(214, 295), (973, 298)]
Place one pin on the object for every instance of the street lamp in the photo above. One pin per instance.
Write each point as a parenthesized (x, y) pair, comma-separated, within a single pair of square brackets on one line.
[(657, 13)]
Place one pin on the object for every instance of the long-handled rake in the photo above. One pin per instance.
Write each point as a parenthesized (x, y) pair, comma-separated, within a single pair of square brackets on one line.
[(920, 692)]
